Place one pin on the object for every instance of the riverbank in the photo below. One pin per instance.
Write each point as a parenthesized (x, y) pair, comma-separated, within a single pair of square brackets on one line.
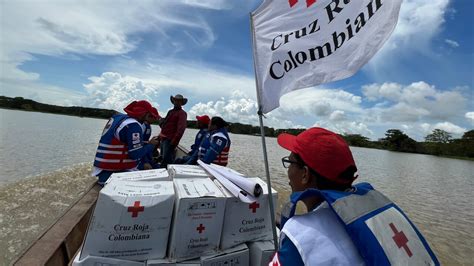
[(440, 144)]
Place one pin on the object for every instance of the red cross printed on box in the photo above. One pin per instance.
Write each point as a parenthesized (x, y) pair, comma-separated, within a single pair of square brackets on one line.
[(200, 228), (254, 206), (400, 239), (135, 209), (308, 2)]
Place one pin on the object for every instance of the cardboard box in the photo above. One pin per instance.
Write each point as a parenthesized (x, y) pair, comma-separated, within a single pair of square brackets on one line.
[(145, 175), (101, 261), (168, 262), (238, 255), (197, 218), (261, 252), (160, 262), (245, 222), (131, 221), (186, 171), (189, 263)]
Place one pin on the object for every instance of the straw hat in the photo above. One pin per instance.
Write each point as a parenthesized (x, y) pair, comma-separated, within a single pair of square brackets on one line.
[(178, 97)]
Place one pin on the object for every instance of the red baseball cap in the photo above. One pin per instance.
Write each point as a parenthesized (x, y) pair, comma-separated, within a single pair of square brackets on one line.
[(203, 119), (155, 113), (322, 150), (137, 109)]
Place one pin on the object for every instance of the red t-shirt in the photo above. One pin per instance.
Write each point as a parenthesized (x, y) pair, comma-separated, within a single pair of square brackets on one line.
[(174, 125)]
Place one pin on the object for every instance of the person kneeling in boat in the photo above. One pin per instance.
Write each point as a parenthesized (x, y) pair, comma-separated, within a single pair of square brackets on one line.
[(121, 145), (147, 162), (215, 145), (346, 224), (203, 126)]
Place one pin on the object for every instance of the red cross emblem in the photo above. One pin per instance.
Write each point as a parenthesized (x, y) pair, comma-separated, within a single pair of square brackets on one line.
[(200, 228), (135, 209), (254, 206), (275, 260), (400, 239), (308, 2)]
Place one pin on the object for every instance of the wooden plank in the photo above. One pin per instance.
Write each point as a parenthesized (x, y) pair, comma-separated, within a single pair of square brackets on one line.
[(74, 240), (69, 228)]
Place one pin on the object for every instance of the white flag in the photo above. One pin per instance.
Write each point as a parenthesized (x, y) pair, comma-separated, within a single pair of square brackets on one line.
[(303, 43)]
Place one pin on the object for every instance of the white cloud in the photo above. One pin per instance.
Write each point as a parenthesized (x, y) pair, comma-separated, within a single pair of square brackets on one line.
[(319, 102), (470, 117), (40, 92), (199, 79), (390, 91), (449, 127), (346, 127), (453, 44), (114, 91), (239, 108), (418, 23), (59, 28), (415, 102)]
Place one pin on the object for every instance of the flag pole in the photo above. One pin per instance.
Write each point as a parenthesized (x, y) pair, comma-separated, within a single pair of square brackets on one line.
[(264, 146)]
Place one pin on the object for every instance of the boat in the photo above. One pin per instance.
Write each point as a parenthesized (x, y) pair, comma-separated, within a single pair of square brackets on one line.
[(59, 244)]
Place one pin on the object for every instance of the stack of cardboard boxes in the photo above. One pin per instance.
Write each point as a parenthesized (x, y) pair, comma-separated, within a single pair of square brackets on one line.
[(141, 218)]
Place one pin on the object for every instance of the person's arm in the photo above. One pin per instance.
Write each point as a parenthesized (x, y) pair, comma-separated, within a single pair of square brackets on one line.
[(132, 135), (180, 128), (216, 147), (197, 141), (193, 156)]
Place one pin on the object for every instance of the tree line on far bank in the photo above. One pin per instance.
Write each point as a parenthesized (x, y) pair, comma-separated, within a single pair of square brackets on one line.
[(439, 142)]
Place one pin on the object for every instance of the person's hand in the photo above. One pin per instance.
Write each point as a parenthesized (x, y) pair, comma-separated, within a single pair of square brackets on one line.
[(147, 166), (154, 141), (174, 142)]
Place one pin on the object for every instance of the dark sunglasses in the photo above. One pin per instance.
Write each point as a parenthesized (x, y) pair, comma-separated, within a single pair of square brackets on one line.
[(287, 162)]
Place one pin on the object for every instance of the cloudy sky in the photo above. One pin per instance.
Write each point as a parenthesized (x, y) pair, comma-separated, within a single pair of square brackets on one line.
[(107, 53)]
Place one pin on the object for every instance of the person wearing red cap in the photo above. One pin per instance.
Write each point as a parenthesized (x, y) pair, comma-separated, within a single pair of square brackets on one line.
[(345, 224), (121, 146), (147, 163), (202, 125), (172, 129), (215, 145)]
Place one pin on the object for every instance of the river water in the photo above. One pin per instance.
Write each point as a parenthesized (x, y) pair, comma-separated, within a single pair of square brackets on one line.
[(46, 160)]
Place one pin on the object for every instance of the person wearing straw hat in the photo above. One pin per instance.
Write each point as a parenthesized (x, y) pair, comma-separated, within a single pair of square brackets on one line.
[(121, 146), (172, 129), (345, 224)]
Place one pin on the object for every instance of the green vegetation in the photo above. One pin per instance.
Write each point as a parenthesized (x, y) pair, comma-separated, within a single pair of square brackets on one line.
[(19, 103), (439, 142)]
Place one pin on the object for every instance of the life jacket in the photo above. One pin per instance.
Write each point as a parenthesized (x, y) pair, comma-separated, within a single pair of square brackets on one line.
[(146, 131), (212, 137), (198, 139), (379, 229), (112, 153)]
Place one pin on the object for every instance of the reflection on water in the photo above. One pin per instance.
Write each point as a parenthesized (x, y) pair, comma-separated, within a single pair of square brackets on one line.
[(435, 192)]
